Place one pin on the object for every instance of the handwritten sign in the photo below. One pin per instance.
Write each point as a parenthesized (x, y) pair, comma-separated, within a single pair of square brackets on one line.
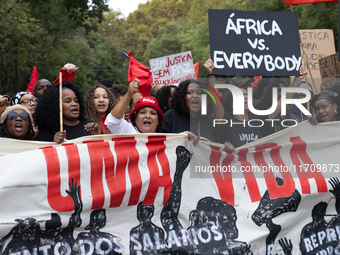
[(172, 69), (330, 69), (254, 43), (317, 43)]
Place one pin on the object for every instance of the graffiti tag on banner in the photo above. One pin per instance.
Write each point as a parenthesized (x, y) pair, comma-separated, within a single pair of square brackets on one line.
[(172, 69), (136, 194)]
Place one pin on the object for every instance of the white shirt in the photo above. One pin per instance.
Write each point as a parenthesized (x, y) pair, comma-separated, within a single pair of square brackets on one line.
[(119, 126)]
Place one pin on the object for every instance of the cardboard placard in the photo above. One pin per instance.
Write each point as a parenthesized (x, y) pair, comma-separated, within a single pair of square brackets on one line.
[(254, 43), (172, 69), (317, 43), (330, 69)]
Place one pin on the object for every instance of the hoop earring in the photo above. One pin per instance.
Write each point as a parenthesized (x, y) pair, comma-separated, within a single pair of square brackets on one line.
[(336, 112)]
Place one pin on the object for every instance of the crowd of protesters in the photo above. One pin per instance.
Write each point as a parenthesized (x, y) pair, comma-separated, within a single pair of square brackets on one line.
[(110, 108)]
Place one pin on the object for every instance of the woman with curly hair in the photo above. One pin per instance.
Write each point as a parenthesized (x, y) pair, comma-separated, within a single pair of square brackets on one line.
[(146, 116), (99, 102), (185, 114), (47, 116), (163, 97), (17, 122)]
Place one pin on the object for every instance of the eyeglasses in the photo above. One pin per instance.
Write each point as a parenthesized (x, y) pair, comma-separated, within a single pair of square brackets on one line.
[(14, 115), (29, 101)]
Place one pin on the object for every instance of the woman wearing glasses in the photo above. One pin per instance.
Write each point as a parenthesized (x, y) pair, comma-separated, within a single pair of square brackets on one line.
[(26, 99), (16, 122)]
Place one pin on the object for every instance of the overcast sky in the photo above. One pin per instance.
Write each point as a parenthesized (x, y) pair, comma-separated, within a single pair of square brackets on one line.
[(125, 6)]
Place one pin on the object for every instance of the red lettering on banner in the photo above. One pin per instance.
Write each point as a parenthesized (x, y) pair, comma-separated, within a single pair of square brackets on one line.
[(299, 151), (97, 151), (178, 60), (161, 73), (115, 176), (55, 199), (274, 190), (224, 182), (126, 150), (156, 147), (252, 185)]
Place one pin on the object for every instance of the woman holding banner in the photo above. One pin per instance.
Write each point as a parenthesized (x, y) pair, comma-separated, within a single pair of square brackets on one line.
[(74, 124), (146, 117)]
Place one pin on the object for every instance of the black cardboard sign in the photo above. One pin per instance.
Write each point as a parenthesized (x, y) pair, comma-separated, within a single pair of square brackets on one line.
[(254, 43)]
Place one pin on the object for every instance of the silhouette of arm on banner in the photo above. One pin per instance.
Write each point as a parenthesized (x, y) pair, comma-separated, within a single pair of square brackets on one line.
[(169, 214), (74, 193)]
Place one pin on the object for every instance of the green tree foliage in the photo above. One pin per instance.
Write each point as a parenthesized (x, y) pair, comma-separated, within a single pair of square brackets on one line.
[(50, 33), (97, 59), (18, 34), (143, 25), (66, 15), (113, 29), (168, 41)]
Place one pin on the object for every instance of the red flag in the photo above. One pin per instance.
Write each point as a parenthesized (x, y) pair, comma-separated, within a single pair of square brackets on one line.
[(197, 68), (307, 1), (65, 76), (142, 73), (33, 80), (257, 79)]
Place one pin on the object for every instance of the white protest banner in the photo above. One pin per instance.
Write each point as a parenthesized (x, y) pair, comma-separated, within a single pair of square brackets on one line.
[(172, 69), (254, 43), (85, 197)]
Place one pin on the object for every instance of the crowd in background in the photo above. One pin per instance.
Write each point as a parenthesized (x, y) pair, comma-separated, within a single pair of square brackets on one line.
[(110, 108)]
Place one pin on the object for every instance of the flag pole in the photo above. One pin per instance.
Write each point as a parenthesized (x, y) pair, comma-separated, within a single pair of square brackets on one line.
[(61, 101)]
